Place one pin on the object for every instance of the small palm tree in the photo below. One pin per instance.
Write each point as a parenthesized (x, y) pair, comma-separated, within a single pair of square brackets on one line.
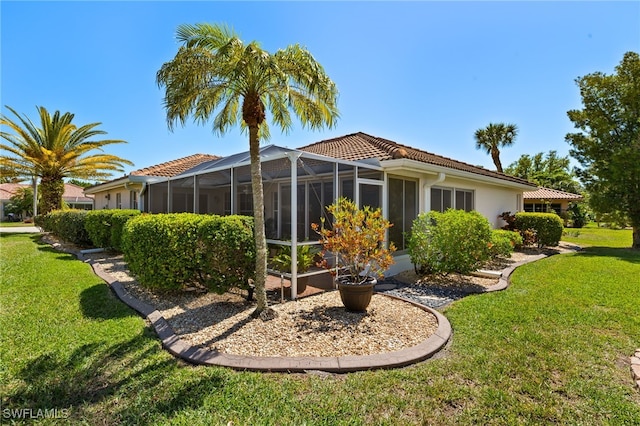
[(57, 150), (493, 137), (214, 74)]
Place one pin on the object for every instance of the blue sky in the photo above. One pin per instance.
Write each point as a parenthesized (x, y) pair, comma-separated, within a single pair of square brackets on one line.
[(425, 74)]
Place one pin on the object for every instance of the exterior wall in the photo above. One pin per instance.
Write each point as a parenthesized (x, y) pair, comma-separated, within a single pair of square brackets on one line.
[(489, 200), (107, 199)]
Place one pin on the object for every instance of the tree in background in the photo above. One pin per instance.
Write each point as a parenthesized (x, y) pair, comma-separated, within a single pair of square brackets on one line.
[(21, 202), (215, 74), (80, 183), (493, 137), (57, 150), (550, 171), (608, 144)]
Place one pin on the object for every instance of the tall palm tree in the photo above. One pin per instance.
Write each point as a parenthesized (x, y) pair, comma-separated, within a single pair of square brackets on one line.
[(495, 136), (215, 74), (57, 150)]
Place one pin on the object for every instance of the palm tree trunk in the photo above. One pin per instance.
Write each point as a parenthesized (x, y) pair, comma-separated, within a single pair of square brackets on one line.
[(258, 214), (495, 155), (52, 188)]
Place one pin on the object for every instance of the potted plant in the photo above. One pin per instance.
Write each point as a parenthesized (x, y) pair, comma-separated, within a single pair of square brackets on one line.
[(356, 239), (305, 260)]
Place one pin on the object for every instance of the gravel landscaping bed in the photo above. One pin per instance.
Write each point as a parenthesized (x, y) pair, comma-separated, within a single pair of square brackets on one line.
[(313, 326)]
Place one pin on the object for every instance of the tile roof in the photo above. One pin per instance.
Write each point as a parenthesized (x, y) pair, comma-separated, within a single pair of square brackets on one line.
[(72, 193), (547, 194), (8, 190), (175, 167), (361, 146)]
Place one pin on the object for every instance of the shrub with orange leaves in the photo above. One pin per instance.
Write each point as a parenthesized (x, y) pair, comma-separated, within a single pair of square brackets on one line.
[(357, 239)]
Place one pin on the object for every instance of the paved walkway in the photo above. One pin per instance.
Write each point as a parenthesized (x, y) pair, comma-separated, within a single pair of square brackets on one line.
[(20, 229)]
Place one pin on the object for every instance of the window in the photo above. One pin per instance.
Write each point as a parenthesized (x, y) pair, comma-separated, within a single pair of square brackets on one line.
[(403, 209), (464, 200), (443, 199), (118, 200), (133, 199)]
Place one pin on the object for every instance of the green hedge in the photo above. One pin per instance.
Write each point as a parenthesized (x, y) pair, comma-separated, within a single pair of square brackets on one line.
[(547, 227), (503, 242), (453, 241), (172, 251), (67, 225), (105, 227)]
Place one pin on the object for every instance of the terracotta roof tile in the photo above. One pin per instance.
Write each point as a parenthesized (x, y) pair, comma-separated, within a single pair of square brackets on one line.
[(547, 194), (361, 146), (72, 193), (175, 167)]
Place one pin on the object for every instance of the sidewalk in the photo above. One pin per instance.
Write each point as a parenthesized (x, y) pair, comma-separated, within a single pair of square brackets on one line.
[(20, 229)]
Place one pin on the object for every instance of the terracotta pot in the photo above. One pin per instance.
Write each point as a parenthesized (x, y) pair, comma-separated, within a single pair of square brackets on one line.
[(356, 297), (302, 284)]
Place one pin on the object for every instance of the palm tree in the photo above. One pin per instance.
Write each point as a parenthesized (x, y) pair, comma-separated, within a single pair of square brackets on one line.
[(215, 74), (57, 150), (494, 136)]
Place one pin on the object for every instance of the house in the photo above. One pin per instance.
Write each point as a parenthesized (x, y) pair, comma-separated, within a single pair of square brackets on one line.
[(548, 200), (298, 183), (73, 196), (124, 192)]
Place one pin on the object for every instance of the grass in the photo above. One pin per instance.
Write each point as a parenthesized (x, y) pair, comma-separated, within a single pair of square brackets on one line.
[(592, 235), (14, 224), (553, 348)]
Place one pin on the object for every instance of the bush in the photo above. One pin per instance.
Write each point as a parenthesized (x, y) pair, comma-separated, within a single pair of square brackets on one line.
[(67, 225), (547, 226), (503, 242), (577, 213), (105, 227), (173, 251), (453, 241)]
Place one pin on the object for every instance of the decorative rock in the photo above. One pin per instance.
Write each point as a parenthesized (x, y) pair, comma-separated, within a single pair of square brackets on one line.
[(635, 370)]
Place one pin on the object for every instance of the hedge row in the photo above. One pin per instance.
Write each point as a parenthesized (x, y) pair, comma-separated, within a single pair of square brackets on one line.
[(105, 227), (547, 227), (66, 224), (178, 250)]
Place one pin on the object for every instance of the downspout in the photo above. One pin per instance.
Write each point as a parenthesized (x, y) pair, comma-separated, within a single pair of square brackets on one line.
[(127, 186), (427, 190)]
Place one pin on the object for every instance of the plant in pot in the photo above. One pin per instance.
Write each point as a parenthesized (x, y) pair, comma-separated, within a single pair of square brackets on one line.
[(356, 239), (305, 260)]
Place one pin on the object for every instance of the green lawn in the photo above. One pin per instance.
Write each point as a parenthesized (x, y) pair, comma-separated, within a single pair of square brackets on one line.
[(553, 348), (592, 235), (14, 224)]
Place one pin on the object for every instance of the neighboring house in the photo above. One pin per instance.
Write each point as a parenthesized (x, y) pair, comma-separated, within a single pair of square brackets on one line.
[(73, 196), (548, 200), (402, 180)]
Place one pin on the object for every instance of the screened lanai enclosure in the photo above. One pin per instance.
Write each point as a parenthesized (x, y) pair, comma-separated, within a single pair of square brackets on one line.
[(297, 187)]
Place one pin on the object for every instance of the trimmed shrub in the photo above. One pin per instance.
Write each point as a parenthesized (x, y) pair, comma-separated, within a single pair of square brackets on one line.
[(453, 241), (67, 225), (105, 227), (548, 227), (503, 242), (173, 251)]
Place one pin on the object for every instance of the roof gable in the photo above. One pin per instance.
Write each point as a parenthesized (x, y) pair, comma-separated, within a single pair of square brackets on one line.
[(361, 146)]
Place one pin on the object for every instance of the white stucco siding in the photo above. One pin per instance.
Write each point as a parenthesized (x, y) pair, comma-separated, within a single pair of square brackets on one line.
[(108, 199), (492, 201)]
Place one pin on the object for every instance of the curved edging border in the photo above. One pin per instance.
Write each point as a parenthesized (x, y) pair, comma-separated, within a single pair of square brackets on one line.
[(343, 364), (505, 277)]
